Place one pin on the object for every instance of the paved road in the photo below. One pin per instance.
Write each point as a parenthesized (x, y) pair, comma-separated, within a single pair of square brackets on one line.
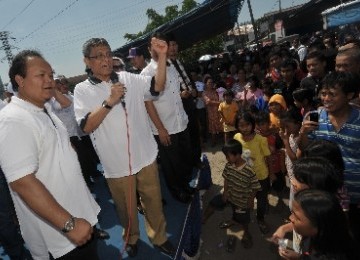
[(214, 238)]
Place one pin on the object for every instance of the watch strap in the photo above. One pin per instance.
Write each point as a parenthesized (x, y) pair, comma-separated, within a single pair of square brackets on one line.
[(106, 105)]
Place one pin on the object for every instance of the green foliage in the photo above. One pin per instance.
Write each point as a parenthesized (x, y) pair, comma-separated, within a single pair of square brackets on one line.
[(156, 20)]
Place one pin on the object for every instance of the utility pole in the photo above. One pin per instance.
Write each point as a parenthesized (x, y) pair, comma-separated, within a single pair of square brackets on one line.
[(253, 24), (4, 39), (279, 6)]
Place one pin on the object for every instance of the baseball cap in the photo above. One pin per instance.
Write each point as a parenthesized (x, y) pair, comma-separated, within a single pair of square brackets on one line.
[(133, 52)]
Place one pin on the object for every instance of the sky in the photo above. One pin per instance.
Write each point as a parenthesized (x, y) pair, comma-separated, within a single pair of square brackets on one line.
[(58, 29)]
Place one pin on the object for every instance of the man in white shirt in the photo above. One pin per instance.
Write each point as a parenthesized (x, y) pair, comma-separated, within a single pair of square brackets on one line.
[(54, 207), (169, 124), (120, 131)]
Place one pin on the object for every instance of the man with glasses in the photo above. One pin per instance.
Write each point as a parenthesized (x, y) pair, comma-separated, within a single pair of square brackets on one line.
[(118, 64), (120, 131)]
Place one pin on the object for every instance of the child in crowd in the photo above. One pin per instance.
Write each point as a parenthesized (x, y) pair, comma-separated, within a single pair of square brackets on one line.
[(260, 152), (262, 103), (311, 173), (240, 186), (277, 158), (319, 219), (228, 110), (250, 94), (331, 151), (291, 120), (303, 99), (277, 106)]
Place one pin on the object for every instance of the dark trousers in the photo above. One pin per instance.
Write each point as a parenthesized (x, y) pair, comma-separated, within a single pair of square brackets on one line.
[(354, 221), (85, 252), (10, 237), (176, 161), (87, 156), (194, 132), (201, 115), (262, 198)]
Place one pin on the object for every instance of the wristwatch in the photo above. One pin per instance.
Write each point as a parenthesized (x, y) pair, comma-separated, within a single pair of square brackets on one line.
[(69, 225), (106, 105)]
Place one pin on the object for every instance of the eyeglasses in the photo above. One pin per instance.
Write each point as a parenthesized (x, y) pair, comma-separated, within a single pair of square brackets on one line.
[(101, 56), (118, 67)]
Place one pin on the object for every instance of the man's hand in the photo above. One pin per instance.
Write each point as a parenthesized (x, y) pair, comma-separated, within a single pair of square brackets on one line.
[(164, 137), (117, 92), (159, 46), (308, 126), (81, 233), (185, 94)]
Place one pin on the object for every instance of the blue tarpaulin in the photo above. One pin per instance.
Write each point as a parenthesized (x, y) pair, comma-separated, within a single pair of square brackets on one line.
[(342, 14)]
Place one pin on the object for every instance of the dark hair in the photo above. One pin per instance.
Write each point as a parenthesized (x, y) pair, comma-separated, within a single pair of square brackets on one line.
[(274, 53), (18, 65), (232, 146), (325, 214), (247, 117), (348, 82), (289, 63), (318, 173), (292, 115), (255, 80), (262, 117), (316, 55), (159, 35), (301, 94), (326, 149), (206, 78), (229, 93), (91, 43)]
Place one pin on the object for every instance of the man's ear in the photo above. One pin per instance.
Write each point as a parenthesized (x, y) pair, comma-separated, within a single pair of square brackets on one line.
[(86, 61), (19, 80)]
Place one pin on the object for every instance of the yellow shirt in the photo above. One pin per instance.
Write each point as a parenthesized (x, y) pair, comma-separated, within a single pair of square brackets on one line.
[(229, 112), (259, 150)]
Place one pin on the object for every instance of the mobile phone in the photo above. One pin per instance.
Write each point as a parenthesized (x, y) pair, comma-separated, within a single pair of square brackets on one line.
[(314, 117)]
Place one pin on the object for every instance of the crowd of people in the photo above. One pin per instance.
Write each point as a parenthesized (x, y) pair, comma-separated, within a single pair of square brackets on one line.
[(288, 111), (297, 106)]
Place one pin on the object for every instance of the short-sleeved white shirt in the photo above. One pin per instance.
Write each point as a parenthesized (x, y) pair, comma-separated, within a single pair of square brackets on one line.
[(168, 104), (34, 142), (110, 138), (2, 104)]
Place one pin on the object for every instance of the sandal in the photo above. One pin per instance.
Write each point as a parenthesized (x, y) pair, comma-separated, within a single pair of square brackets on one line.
[(225, 224), (246, 241), (230, 244)]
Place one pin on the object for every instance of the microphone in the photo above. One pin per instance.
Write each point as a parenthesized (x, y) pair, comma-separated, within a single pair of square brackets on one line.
[(115, 79)]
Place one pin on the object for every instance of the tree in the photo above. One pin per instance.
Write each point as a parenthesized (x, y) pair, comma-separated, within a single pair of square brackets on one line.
[(156, 20)]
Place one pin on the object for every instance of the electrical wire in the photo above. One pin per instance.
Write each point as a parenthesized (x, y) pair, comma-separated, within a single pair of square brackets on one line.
[(48, 21), (16, 16)]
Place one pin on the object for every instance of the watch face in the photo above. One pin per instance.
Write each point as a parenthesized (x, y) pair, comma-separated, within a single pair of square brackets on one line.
[(69, 225)]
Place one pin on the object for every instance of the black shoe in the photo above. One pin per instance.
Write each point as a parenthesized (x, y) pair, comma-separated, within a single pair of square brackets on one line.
[(131, 250), (167, 248), (101, 234)]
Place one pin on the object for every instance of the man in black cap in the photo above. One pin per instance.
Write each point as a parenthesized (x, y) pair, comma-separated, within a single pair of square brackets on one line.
[(137, 60)]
